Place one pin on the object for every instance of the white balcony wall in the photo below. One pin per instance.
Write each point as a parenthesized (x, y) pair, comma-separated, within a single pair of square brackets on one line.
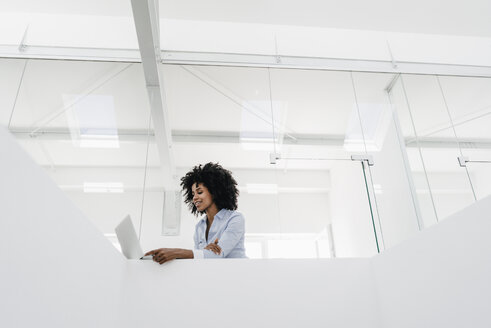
[(75, 277), (58, 270)]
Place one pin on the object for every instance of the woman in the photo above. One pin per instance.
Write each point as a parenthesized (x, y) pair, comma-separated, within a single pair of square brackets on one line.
[(210, 190)]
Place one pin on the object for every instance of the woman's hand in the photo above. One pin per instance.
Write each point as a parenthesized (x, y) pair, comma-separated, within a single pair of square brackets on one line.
[(214, 247), (163, 255)]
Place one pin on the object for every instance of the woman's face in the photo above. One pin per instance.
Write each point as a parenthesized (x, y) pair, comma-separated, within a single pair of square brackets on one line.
[(201, 197)]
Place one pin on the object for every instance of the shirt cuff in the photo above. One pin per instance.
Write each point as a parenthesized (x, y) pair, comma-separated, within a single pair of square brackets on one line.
[(198, 254)]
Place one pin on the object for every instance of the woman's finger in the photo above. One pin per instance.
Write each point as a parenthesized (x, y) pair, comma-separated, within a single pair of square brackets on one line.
[(150, 253), (210, 248), (216, 249), (158, 257), (161, 257)]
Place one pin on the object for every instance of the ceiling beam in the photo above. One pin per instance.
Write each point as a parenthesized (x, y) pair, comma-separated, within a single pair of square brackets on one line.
[(320, 63), (243, 60), (146, 17), (69, 53), (225, 137)]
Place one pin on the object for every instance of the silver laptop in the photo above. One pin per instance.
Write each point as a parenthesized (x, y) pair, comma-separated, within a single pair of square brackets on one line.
[(130, 245)]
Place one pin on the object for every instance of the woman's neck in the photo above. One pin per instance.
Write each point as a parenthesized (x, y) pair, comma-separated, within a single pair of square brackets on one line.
[(211, 212)]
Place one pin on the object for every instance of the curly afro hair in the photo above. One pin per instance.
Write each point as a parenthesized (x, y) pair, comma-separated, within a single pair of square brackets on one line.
[(219, 181)]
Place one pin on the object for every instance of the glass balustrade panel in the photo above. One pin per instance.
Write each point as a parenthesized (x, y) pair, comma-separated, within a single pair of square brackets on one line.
[(86, 123)]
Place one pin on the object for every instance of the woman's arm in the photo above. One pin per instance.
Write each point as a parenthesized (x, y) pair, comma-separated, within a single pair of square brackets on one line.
[(214, 247), (163, 255), (229, 239)]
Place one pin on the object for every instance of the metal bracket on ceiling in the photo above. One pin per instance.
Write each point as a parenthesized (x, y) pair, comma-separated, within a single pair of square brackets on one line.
[(273, 157), (22, 45), (463, 161), (363, 158), (277, 56), (392, 59)]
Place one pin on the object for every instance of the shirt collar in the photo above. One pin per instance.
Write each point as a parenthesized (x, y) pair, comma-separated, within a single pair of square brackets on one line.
[(220, 215)]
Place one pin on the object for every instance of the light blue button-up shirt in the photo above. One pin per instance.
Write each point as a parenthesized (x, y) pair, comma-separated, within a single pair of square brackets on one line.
[(229, 227)]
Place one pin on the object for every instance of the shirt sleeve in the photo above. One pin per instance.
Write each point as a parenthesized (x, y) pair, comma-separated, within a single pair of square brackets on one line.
[(197, 253), (230, 237)]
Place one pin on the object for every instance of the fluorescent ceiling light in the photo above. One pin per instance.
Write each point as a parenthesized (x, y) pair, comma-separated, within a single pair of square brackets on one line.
[(258, 131), (92, 120), (103, 187), (375, 119)]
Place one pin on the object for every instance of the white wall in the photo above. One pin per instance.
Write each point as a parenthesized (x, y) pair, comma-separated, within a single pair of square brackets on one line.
[(451, 192), (397, 214), (441, 278), (351, 219), (56, 268), (248, 293)]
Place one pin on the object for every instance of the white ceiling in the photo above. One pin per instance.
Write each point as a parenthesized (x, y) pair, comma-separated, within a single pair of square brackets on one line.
[(69, 7), (421, 36), (418, 16)]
